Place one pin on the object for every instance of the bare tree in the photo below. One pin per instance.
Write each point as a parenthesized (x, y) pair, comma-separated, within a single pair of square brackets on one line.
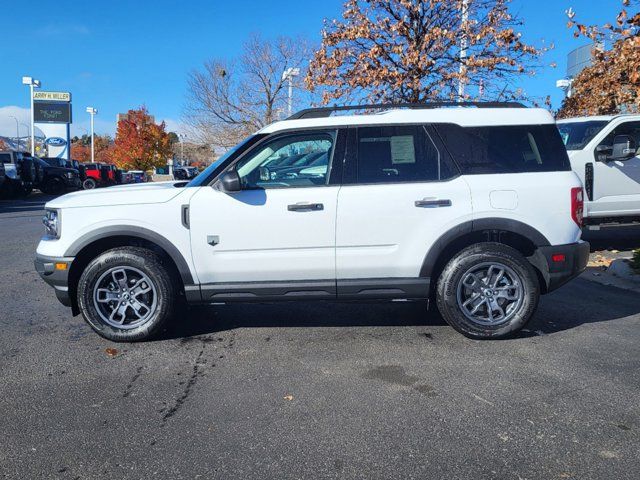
[(229, 99)]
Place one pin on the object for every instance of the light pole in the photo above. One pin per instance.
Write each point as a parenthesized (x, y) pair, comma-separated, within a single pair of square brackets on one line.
[(17, 131), (33, 83), (464, 43), (92, 111), (181, 137), (288, 74)]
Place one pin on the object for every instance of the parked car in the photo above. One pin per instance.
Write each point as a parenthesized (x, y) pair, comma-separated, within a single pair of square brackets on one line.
[(20, 173), (138, 176), (57, 180), (474, 207), (604, 152), (185, 173), (95, 175), (2, 174), (57, 162)]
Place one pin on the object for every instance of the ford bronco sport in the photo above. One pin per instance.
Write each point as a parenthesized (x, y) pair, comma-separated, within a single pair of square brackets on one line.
[(475, 207)]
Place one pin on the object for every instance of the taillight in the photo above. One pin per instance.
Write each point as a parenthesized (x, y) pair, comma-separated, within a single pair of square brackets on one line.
[(577, 205)]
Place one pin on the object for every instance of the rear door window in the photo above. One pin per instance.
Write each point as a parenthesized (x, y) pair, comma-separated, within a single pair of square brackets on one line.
[(392, 154), (505, 149)]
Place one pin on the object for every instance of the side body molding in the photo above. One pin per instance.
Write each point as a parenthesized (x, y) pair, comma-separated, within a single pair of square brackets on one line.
[(137, 232), (479, 225)]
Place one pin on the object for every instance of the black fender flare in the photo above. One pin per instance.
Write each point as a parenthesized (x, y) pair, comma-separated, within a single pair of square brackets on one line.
[(479, 225), (136, 232)]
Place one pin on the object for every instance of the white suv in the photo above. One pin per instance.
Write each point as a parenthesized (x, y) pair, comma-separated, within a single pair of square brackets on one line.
[(604, 153), (476, 207)]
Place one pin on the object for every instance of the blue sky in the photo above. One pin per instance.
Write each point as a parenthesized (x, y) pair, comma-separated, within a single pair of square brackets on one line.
[(116, 55)]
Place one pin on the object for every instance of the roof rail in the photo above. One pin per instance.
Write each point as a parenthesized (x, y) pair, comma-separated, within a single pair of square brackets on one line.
[(327, 111)]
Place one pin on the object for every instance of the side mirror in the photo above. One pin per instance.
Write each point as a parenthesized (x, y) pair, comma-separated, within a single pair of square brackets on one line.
[(624, 147), (230, 181)]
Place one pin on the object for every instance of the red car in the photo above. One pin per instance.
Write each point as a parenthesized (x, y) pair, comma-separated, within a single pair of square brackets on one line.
[(97, 175)]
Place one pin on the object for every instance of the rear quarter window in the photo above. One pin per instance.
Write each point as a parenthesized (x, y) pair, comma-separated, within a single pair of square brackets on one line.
[(505, 149)]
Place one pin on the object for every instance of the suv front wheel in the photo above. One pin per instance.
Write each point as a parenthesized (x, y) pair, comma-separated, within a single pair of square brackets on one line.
[(488, 290), (126, 294)]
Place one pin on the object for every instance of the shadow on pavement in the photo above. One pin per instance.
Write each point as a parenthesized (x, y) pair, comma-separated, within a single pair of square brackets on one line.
[(578, 303), (210, 319)]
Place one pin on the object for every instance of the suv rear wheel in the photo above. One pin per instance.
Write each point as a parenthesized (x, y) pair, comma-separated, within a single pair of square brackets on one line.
[(488, 290), (89, 184), (126, 294)]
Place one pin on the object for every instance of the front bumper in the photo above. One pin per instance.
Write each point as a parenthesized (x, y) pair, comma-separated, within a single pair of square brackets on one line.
[(49, 269), (560, 263)]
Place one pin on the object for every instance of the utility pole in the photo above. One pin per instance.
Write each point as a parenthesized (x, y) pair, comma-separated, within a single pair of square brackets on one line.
[(464, 43), (17, 131)]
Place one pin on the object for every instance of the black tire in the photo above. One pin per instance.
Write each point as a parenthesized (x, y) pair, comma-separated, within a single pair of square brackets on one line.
[(462, 282), (53, 186), (26, 190), (133, 259), (89, 184)]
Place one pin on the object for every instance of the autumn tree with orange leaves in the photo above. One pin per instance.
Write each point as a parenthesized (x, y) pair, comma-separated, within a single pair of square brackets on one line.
[(141, 144), (612, 83), (410, 51)]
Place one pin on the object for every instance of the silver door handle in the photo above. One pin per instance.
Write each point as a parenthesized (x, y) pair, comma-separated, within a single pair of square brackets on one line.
[(432, 203), (305, 207)]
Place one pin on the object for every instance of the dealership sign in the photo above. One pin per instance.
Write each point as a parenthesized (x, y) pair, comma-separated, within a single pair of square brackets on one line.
[(51, 112), (51, 96), (56, 141)]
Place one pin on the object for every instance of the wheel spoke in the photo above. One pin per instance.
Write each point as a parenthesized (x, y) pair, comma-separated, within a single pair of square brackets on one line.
[(498, 277), (121, 311), (120, 277), (139, 308), (140, 287), (476, 283), (104, 295)]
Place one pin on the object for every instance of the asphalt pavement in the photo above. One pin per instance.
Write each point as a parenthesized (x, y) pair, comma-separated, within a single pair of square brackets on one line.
[(314, 390)]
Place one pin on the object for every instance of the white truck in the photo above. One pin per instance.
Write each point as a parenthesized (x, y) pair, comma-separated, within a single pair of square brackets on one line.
[(603, 151), (474, 207)]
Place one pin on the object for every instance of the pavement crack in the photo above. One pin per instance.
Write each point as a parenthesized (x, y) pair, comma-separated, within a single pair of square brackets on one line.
[(127, 390)]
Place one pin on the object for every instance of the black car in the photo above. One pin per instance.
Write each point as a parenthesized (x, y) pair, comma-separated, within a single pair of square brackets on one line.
[(57, 180)]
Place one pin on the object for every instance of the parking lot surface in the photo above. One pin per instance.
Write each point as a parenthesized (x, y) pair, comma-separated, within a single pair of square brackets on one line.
[(316, 390)]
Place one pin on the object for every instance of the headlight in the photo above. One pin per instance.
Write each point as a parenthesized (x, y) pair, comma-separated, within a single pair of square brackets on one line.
[(51, 222)]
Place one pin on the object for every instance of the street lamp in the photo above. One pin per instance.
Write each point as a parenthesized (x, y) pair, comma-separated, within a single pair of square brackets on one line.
[(17, 131), (288, 74), (181, 137), (33, 83), (92, 111)]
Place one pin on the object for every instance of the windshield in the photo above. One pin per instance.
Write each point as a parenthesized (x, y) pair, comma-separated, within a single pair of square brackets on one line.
[(576, 135), (207, 174)]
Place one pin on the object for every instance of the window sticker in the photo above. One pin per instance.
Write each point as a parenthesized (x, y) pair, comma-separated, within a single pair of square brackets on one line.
[(402, 150)]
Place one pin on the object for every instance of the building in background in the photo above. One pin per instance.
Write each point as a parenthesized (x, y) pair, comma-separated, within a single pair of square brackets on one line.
[(577, 60), (125, 116)]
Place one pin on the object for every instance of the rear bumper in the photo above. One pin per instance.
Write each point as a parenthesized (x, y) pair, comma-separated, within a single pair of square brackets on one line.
[(57, 278), (570, 261)]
